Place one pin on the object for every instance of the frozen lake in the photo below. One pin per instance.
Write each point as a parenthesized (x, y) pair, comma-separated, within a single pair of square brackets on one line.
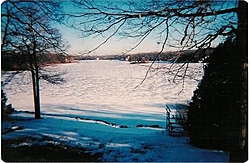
[(96, 92), (110, 90)]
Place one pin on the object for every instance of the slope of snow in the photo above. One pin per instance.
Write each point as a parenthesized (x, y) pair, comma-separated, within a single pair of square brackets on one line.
[(117, 144), (99, 109)]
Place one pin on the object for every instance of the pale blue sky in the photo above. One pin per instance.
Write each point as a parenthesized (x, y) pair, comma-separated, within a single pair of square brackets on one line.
[(115, 45)]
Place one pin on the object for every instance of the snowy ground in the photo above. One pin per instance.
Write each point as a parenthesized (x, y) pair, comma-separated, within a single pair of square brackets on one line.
[(98, 109)]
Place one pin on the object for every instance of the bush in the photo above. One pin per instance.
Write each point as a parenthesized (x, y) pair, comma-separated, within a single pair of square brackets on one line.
[(214, 113)]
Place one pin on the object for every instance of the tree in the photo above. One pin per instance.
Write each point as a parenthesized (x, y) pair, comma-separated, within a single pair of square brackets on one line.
[(180, 24), (215, 104), (27, 33), (191, 23), (183, 25)]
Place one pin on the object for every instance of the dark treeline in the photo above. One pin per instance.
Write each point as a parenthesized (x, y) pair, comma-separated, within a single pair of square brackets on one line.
[(15, 61), (171, 56)]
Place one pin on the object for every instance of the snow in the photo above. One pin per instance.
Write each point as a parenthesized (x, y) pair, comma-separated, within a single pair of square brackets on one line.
[(99, 109)]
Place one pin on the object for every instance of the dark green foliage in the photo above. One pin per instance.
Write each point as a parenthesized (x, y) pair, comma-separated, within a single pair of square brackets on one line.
[(3, 102), (3, 98), (214, 111)]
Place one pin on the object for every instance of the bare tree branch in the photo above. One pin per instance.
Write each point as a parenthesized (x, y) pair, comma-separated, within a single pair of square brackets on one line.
[(28, 34)]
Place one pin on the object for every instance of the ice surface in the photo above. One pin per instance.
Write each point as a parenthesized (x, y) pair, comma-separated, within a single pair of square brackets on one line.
[(98, 97)]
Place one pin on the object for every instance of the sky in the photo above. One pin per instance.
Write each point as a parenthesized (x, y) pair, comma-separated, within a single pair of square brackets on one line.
[(115, 45), (120, 43)]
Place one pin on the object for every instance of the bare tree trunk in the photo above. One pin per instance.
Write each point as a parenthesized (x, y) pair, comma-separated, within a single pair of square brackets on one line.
[(36, 80), (37, 100), (243, 45), (35, 84), (35, 97), (239, 150)]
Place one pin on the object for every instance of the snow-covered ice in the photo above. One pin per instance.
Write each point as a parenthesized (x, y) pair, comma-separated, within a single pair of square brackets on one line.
[(99, 109)]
